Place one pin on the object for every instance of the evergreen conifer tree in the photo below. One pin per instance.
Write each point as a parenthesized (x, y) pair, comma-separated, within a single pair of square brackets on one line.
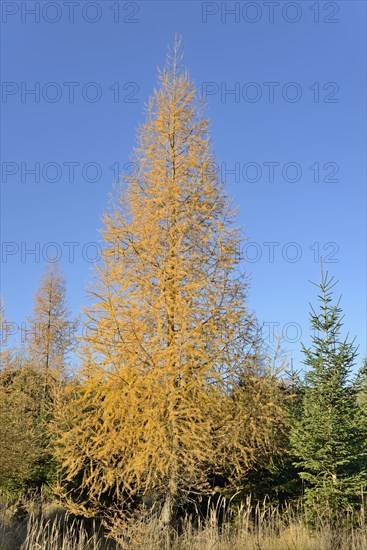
[(327, 439)]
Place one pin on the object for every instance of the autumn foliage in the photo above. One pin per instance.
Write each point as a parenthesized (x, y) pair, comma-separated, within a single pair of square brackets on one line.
[(177, 403), (174, 388)]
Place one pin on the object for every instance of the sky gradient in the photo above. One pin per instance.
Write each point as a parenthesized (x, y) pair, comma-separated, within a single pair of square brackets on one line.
[(285, 84)]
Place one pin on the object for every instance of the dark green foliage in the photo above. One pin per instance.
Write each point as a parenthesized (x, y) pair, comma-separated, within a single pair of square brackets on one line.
[(25, 459), (328, 439)]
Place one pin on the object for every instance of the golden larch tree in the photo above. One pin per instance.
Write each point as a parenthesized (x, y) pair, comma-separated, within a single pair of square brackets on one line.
[(169, 336), (50, 329)]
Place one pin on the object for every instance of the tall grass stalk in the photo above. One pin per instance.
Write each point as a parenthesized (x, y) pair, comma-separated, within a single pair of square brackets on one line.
[(246, 526)]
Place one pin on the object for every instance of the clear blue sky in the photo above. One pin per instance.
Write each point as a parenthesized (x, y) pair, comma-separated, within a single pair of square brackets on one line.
[(299, 81)]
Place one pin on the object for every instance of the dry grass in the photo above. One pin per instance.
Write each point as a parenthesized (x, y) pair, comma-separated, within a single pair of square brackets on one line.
[(261, 527)]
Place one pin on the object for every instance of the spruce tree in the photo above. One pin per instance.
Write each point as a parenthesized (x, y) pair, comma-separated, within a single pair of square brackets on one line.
[(327, 439)]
